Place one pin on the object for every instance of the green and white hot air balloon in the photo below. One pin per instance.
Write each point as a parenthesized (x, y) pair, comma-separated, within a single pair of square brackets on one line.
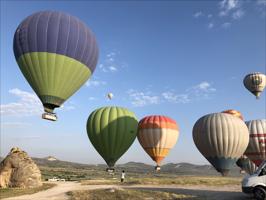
[(112, 130)]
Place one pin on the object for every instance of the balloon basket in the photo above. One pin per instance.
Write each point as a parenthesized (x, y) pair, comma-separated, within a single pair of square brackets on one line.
[(111, 171), (157, 168), (49, 116)]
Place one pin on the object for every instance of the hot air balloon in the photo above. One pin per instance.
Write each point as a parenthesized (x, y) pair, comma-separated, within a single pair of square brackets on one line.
[(157, 135), (57, 53), (255, 83), (256, 150), (246, 165), (110, 95), (111, 131), (222, 139), (234, 113)]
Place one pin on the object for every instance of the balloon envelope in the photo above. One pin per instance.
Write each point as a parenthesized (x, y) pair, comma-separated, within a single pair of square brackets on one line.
[(157, 135), (234, 113), (56, 53), (111, 131), (255, 83), (110, 95), (256, 150), (221, 138), (247, 165)]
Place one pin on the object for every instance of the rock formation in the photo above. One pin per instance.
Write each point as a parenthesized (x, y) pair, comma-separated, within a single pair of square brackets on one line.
[(19, 170)]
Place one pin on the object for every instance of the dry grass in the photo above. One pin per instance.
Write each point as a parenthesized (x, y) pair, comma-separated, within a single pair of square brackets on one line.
[(179, 180), (12, 192), (118, 194)]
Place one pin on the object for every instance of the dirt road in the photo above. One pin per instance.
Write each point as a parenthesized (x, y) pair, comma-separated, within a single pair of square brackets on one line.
[(59, 192), (205, 192)]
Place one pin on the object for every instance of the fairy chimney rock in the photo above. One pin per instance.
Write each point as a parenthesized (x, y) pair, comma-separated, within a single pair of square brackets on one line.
[(19, 170)]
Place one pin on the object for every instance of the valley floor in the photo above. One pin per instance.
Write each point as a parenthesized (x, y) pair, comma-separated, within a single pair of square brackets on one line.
[(198, 191)]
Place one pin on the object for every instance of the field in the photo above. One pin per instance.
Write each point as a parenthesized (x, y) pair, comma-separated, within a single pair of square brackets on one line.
[(173, 180), (11, 192), (121, 194)]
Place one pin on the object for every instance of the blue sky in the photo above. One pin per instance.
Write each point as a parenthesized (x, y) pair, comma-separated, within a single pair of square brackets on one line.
[(183, 59)]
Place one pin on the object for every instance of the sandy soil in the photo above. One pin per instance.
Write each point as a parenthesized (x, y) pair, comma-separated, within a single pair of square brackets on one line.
[(205, 192)]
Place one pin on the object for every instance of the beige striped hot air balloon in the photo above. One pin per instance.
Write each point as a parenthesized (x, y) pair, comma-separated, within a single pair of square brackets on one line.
[(256, 150), (222, 139), (255, 83), (157, 135)]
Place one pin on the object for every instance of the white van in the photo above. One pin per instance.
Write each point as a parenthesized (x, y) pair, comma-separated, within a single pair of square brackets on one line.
[(256, 183)]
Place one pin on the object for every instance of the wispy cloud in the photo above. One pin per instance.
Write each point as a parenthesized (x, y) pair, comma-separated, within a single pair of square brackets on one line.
[(228, 5), (232, 8), (15, 124), (200, 91), (95, 83), (112, 62), (238, 14), (67, 107), (261, 6), (229, 11), (198, 14), (203, 90), (204, 86), (28, 104), (261, 2), (210, 25), (140, 99), (175, 98), (92, 98), (226, 25)]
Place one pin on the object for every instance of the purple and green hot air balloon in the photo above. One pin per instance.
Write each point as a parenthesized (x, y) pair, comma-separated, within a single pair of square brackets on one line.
[(57, 53)]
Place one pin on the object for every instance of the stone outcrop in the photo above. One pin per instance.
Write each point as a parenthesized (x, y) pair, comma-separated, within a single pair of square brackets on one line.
[(19, 170)]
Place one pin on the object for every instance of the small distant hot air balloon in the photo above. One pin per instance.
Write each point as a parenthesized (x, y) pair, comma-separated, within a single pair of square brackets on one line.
[(221, 139), (255, 83), (110, 95), (256, 150), (246, 165), (111, 131), (234, 113), (57, 53), (157, 135)]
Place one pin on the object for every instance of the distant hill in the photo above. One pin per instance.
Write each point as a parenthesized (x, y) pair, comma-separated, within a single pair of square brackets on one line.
[(137, 167), (51, 158), (44, 162)]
